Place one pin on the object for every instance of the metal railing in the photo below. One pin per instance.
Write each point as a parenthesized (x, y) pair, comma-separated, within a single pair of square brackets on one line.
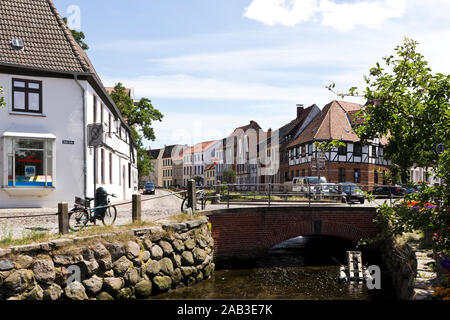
[(273, 193), (255, 194)]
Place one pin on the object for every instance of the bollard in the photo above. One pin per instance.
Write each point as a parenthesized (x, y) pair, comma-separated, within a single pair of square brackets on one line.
[(136, 208), (63, 217), (192, 195)]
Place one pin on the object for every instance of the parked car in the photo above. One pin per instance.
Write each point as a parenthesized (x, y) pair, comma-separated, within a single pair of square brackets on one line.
[(149, 188), (352, 193), (307, 184), (387, 191)]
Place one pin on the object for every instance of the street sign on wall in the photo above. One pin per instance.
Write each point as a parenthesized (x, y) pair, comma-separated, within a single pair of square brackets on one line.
[(95, 135)]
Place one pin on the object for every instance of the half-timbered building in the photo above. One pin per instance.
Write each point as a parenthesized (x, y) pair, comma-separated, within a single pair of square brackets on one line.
[(354, 162)]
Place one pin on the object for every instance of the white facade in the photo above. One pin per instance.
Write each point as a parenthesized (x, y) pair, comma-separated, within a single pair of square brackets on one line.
[(42, 154)]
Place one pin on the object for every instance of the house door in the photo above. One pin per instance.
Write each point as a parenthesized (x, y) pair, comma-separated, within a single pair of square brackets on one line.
[(124, 185)]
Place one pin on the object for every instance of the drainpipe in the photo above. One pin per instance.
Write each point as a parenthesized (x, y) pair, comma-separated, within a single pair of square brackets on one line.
[(84, 133)]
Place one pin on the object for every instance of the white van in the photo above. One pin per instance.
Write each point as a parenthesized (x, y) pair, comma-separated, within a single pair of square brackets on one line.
[(301, 184)]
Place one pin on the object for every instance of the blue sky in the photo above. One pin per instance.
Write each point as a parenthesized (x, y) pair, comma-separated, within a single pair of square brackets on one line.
[(212, 65)]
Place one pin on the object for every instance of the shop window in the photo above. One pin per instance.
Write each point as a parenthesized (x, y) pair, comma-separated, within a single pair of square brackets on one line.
[(30, 162)]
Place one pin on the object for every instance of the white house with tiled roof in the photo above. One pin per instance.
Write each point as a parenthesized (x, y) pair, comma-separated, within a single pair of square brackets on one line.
[(52, 94)]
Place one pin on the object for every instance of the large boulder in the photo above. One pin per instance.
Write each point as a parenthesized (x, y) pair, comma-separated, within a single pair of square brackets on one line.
[(100, 251), (6, 265), (105, 263), (93, 285), (148, 244), (166, 266), (89, 267), (113, 285), (75, 291), (143, 289), (187, 258), (23, 262), (199, 255), (176, 260), (34, 294), (53, 292), (116, 249), (162, 283), (125, 294), (178, 245), (104, 296), (61, 276), (188, 271), (176, 276), (146, 256), (189, 244), (44, 271), (19, 280), (166, 247), (121, 266), (157, 252), (132, 276), (153, 268), (133, 250)]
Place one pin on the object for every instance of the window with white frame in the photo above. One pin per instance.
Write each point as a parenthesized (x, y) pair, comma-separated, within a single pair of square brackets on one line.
[(30, 162)]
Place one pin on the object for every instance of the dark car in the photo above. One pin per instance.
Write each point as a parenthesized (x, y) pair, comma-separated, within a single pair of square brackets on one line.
[(352, 193), (387, 191), (149, 188)]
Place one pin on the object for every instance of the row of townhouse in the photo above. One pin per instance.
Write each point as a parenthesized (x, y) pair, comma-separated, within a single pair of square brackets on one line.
[(277, 156), (52, 93), (177, 164)]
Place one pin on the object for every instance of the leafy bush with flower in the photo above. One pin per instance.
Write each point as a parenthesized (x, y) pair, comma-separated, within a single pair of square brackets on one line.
[(424, 211)]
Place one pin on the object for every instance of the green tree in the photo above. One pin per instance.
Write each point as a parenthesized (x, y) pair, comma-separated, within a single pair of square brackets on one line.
[(2, 99), (407, 103), (140, 117), (411, 106), (79, 37), (229, 176)]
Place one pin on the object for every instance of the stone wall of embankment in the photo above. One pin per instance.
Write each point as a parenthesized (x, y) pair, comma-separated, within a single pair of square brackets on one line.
[(133, 264)]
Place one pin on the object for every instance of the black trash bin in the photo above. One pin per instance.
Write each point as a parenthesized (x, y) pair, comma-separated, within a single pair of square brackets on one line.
[(101, 199)]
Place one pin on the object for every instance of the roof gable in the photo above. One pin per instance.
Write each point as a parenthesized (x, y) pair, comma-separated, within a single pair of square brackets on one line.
[(49, 44)]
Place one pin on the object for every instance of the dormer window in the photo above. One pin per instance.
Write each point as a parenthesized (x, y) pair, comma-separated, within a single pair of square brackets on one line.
[(26, 96)]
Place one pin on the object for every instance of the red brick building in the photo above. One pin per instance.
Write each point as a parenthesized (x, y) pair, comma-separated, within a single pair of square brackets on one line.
[(353, 163)]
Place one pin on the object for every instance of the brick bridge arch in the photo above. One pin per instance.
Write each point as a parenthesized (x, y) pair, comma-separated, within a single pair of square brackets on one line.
[(243, 229)]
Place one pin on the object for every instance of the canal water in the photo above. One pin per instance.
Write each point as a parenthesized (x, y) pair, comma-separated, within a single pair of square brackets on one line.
[(298, 269)]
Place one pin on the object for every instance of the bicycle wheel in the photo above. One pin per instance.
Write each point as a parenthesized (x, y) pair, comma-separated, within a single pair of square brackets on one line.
[(78, 220), (184, 205), (110, 216)]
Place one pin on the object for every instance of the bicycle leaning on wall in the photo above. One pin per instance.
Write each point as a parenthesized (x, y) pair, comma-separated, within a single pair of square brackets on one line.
[(82, 213)]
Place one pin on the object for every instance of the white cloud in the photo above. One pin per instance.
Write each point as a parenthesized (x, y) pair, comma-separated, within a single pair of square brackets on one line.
[(285, 12), (342, 16), (188, 87)]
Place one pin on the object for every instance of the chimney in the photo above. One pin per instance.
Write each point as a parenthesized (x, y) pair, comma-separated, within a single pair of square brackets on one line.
[(300, 109)]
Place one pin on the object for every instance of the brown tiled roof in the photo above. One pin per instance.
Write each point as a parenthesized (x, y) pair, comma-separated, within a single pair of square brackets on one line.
[(332, 123), (111, 89), (252, 124), (49, 44)]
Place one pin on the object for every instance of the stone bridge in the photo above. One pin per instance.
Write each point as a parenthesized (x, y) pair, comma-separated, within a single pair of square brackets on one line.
[(244, 229)]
